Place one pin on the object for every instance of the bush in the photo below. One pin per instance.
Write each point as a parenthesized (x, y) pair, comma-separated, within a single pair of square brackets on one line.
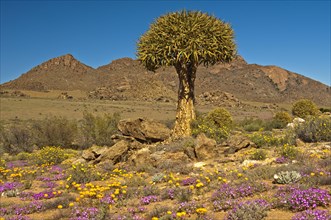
[(216, 124), (304, 108), (289, 151), (249, 210), (81, 173), (16, 139), (98, 129), (266, 139), (220, 117), (281, 119), (252, 124), (54, 131), (51, 155), (315, 130), (323, 110), (259, 155)]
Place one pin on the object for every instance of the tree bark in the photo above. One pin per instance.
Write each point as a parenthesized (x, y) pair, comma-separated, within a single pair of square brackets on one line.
[(185, 106)]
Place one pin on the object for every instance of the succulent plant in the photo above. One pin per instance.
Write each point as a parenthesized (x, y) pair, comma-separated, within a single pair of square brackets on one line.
[(287, 177), (157, 177)]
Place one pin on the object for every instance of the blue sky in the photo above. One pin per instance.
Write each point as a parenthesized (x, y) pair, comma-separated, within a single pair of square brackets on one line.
[(294, 35)]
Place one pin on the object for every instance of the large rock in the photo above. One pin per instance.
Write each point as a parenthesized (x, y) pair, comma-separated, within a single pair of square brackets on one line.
[(296, 122), (144, 130), (166, 160), (205, 147), (140, 157), (236, 143), (115, 153), (93, 153)]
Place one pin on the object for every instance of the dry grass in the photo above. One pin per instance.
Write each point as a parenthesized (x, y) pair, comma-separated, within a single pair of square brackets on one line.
[(41, 104)]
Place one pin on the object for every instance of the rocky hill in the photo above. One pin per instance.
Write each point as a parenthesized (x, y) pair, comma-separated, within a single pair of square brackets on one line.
[(126, 79), (60, 73)]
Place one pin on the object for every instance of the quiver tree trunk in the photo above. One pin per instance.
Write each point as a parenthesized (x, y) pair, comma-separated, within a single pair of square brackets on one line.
[(185, 107)]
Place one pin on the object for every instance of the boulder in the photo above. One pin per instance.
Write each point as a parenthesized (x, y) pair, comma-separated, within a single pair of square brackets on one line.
[(205, 147), (93, 153), (235, 143), (88, 155), (140, 157), (115, 153), (144, 130), (164, 159), (295, 123)]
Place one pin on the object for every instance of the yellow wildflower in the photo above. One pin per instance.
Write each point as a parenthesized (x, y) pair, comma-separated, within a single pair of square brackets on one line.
[(198, 185), (180, 214), (201, 210)]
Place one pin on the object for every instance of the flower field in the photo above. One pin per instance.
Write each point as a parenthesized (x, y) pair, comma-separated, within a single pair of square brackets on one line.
[(33, 190), (248, 174)]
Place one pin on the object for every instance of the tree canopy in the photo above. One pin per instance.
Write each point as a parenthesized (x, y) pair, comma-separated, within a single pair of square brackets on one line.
[(186, 37)]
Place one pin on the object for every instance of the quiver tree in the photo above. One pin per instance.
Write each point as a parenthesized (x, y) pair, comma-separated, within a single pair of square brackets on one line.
[(185, 40)]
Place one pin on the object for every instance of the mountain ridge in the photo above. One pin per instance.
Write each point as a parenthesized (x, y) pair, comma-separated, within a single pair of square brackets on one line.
[(126, 78)]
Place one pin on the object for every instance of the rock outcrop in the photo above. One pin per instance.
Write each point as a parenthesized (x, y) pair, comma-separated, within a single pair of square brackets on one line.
[(144, 130), (205, 147)]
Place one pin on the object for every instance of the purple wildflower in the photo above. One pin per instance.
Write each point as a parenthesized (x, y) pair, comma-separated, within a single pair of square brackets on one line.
[(84, 213), (149, 199), (188, 207), (302, 199), (9, 186), (312, 215), (189, 181), (107, 199), (282, 160)]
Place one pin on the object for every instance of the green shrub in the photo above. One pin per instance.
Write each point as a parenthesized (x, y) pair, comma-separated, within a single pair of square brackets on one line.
[(82, 173), (51, 155), (315, 129), (289, 151), (16, 139), (281, 119), (249, 210), (98, 129), (54, 131), (304, 108), (265, 139), (259, 155), (220, 117), (252, 124), (323, 110), (216, 124)]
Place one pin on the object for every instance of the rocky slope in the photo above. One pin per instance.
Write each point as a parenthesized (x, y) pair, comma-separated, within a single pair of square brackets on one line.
[(126, 79)]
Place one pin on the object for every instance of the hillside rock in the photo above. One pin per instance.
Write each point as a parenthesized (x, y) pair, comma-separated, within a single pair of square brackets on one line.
[(13, 94), (115, 153), (65, 95), (205, 147), (93, 153), (140, 157), (144, 130), (219, 98), (105, 93), (236, 143)]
